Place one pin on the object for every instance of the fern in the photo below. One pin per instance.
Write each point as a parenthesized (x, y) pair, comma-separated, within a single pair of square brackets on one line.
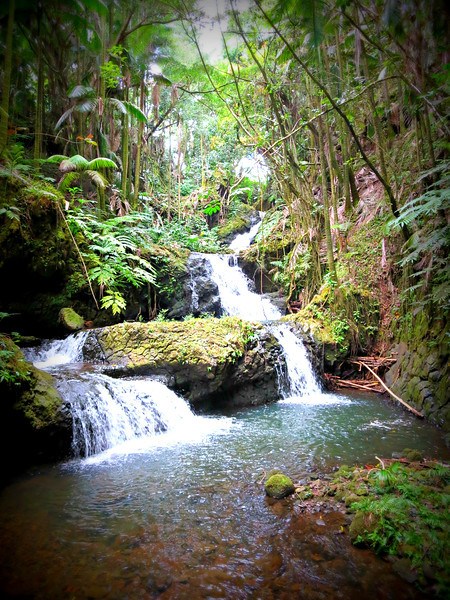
[(429, 244)]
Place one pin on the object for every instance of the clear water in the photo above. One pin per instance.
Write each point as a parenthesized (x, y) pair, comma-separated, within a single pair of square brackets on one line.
[(186, 516)]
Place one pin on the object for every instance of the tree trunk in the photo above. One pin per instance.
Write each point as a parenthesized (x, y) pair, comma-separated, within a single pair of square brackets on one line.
[(4, 108)]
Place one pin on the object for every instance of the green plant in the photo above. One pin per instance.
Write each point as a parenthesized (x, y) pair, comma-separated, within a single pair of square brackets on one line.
[(427, 248), (75, 167), (113, 252)]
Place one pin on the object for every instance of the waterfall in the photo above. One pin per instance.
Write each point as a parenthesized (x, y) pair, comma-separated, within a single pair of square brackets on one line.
[(237, 299), (108, 413), (54, 353), (301, 380), (234, 289), (243, 240)]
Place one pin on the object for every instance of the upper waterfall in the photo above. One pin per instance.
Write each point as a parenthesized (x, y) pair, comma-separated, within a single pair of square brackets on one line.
[(243, 240), (234, 290)]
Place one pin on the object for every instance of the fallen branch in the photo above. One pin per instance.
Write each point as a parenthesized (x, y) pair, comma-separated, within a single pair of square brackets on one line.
[(413, 410)]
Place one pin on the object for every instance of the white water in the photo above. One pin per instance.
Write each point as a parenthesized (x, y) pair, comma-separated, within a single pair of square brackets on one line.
[(243, 240), (302, 380), (239, 300), (55, 353), (234, 289), (129, 415), (119, 416)]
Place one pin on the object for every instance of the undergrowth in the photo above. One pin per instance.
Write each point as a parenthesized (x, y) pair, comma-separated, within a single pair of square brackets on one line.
[(407, 508)]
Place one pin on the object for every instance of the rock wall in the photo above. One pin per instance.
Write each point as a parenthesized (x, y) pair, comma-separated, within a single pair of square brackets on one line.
[(421, 377)]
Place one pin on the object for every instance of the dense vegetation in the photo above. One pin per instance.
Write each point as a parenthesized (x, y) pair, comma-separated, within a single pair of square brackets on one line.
[(121, 134), (119, 106)]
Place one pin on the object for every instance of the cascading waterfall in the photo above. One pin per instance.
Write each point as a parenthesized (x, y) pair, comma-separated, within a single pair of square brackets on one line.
[(235, 295), (243, 240), (301, 380), (110, 413), (55, 353), (237, 299)]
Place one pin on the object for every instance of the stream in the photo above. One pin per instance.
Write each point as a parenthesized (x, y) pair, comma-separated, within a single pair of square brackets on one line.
[(161, 502)]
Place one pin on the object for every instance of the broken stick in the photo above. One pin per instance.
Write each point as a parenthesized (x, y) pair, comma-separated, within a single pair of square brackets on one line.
[(413, 410)]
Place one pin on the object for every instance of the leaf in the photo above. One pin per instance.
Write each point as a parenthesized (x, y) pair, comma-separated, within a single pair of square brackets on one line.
[(135, 112), (81, 91), (101, 163), (64, 117), (99, 180), (56, 158), (67, 180), (118, 104)]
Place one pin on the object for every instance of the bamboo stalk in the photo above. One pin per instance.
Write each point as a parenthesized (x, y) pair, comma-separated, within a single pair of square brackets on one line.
[(413, 410)]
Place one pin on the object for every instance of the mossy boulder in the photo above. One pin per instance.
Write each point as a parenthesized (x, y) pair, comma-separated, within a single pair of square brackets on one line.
[(208, 360), (70, 319), (32, 409), (279, 486), (362, 524)]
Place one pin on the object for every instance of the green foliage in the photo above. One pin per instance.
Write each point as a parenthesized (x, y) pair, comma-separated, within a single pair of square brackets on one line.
[(11, 212), (191, 233), (427, 249), (411, 518), (14, 370), (113, 250), (74, 167), (16, 163), (212, 207), (111, 73)]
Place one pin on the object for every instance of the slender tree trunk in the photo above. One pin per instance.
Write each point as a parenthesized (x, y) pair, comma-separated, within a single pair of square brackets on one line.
[(39, 119), (326, 204), (137, 166), (4, 108)]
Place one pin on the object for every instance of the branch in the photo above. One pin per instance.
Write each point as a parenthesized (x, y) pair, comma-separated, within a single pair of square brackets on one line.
[(413, 410), (342, 114)]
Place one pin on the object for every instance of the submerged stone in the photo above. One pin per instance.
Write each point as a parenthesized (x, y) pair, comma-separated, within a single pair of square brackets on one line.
[(279, 486)]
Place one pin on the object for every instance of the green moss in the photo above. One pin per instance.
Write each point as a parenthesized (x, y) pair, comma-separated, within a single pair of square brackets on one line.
[(70, 319), (208, 342), (279, 486), (41, 404), (14, 370)]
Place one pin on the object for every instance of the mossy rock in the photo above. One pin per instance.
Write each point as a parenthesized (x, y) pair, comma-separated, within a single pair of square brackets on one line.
[(363, 523), (70, 319), (279, 486), (412, 455)]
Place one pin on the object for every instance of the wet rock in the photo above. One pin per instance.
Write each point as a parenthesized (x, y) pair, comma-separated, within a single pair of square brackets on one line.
[(211, 361), (362, 523), (279, 486), (403, 567)]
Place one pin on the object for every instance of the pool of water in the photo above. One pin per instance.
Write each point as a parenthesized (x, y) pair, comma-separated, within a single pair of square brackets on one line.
[(186, 516)]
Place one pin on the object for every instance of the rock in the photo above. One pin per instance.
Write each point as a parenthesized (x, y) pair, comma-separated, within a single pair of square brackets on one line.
[(403, 567), (412, 455), (279, 486), (210, 361), (198, 294), (70, 320), (361, 524)]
